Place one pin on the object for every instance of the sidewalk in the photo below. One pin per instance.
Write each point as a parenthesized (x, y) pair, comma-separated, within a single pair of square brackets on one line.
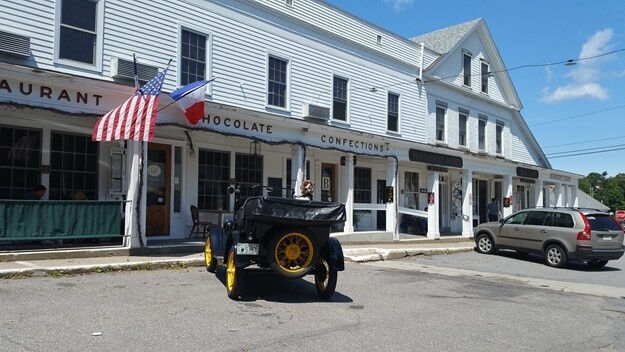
[(174, 254)]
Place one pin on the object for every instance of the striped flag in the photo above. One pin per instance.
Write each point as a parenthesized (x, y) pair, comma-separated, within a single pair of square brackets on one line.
[(191, 99), (135, 118)]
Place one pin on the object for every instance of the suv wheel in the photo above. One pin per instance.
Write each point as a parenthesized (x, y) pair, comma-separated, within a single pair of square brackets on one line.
[(485, 244), (555, 256)]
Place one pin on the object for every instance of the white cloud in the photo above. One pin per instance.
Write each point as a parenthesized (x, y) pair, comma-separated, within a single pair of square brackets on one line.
[(586, 74), (399, 5), (575, 91)]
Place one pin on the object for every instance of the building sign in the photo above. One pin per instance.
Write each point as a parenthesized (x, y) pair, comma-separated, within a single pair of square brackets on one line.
[(437, 168), (41, 92), (237, 124), (560, 178), (354, 144), (527, 173), (435, 158), (527, 180)]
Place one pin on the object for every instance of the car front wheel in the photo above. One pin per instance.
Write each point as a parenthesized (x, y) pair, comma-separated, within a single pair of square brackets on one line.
[(233, 276), (485, 244), (555, 256), (325, 279), (209, 260)]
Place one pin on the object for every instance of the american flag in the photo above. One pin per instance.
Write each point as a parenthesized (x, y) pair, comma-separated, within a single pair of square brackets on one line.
[(135, 118)]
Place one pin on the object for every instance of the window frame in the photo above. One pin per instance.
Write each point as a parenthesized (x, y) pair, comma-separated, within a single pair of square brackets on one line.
[(499, 128), (212, 179), (482, 124), (440, 120), (207, 56), (363, 190), (462, 127), (467, 59), (485, 72), (96, 65), (336, 99), (287, 73), (392, 115)]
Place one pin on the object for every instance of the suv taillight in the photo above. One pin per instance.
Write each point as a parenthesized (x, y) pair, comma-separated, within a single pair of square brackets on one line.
[(584, 235)]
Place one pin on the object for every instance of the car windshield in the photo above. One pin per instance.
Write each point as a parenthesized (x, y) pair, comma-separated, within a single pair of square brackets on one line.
[(602, 222)]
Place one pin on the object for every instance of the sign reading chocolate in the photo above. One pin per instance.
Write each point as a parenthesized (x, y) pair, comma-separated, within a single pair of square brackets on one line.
[(237, 124)]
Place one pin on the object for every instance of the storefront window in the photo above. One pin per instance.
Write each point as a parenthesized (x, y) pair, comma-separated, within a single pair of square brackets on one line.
[(248, 173), (362, 185), (213, 180), (73, 166), (20, 161), (411, 190)]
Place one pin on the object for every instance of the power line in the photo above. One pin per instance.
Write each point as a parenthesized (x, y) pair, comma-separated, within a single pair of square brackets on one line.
[(589, 141), (587, 149), (585, 153), (581, 115)]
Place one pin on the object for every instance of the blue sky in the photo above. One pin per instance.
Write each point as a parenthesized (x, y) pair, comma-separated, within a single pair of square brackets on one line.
[(578, 109)]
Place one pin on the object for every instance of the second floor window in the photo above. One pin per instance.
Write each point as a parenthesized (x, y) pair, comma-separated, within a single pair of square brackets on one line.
[(462, 128), (440, 123), (78, 31), (466, 69), (481, 134), (485, 75), (499, 138), (276, 82), (339, 103), (193, 57), (393, 112)]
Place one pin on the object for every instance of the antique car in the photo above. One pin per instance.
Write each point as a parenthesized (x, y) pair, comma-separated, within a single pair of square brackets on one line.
[(290, 237)]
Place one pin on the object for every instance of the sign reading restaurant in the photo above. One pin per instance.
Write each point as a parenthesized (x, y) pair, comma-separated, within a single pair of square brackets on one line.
[(45, 92)]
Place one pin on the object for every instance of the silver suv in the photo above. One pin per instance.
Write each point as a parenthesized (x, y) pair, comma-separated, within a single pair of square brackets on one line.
[(562, 234)]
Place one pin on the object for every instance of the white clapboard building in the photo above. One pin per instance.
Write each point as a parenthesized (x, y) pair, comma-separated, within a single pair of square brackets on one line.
[(387, 125)]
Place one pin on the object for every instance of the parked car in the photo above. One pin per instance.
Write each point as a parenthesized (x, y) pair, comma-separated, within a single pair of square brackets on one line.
[(561, 234), (290, 237)]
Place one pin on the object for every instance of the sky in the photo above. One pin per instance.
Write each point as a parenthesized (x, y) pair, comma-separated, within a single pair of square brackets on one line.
[(578, 109)]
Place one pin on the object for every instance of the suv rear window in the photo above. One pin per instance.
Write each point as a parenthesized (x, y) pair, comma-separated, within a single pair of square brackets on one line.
[(602, 222)]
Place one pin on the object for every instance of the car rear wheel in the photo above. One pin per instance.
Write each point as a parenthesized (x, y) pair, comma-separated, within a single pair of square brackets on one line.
[(555, 256), (596, 263), (293, 253), (325, 279), (209, 260), (485, 244), (233, 276)]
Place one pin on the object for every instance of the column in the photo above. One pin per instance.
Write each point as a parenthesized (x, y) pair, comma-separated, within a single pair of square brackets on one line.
[(298, 166), (433, 224), (391, 208), (558, 194), (538, 193), (574, 197), (135, 215), (349, 202), (507, 191), (467, 203)]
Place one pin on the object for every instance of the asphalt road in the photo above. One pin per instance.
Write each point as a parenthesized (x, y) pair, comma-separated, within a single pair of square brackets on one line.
[(376, 308)]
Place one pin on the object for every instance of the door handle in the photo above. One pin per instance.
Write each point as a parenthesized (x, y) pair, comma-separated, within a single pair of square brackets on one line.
[(543, 231), (516, 229)]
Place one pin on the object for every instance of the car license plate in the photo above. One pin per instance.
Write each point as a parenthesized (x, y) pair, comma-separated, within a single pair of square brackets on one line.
[(247, 248), (607, 238)]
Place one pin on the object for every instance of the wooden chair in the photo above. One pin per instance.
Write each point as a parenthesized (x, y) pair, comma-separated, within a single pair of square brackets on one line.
[(198, 226)]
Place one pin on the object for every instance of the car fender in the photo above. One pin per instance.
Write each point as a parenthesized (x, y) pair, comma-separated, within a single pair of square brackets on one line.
[(333, 253), (559, 243)]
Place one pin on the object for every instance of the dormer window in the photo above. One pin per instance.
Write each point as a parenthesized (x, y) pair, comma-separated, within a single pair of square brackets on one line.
[(466, 68)]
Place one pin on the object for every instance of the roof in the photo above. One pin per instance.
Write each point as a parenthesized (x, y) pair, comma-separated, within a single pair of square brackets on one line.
[(443, 40), (584, 200)]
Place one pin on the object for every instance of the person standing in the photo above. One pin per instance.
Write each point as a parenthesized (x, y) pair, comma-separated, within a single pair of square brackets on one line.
[(36, 194), (493, 210)]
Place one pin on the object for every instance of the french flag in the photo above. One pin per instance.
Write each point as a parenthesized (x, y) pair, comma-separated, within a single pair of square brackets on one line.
[(191, 99)]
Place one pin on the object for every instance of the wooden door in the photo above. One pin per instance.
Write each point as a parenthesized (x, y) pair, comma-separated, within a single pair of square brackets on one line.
[(158, 190)]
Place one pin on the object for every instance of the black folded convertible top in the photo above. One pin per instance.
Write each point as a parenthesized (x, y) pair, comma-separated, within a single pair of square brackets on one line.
[(286, 210)]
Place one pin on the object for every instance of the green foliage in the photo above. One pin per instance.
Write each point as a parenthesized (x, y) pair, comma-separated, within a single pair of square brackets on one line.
[(608, 190)]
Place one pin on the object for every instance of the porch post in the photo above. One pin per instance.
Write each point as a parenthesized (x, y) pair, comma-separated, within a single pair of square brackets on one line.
[(433, 211), (298, 165), (538, 193), (391, 208), (507, 191), (467, 206), (558, 191), (349, 202)]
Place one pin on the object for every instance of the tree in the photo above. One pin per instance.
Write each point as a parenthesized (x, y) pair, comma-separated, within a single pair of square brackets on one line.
[(608, 190)]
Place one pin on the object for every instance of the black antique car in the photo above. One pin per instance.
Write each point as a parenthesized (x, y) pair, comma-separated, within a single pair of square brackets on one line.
[(291, 237)]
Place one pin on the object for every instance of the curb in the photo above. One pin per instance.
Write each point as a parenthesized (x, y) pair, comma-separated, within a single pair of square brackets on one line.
[(376, 254)]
